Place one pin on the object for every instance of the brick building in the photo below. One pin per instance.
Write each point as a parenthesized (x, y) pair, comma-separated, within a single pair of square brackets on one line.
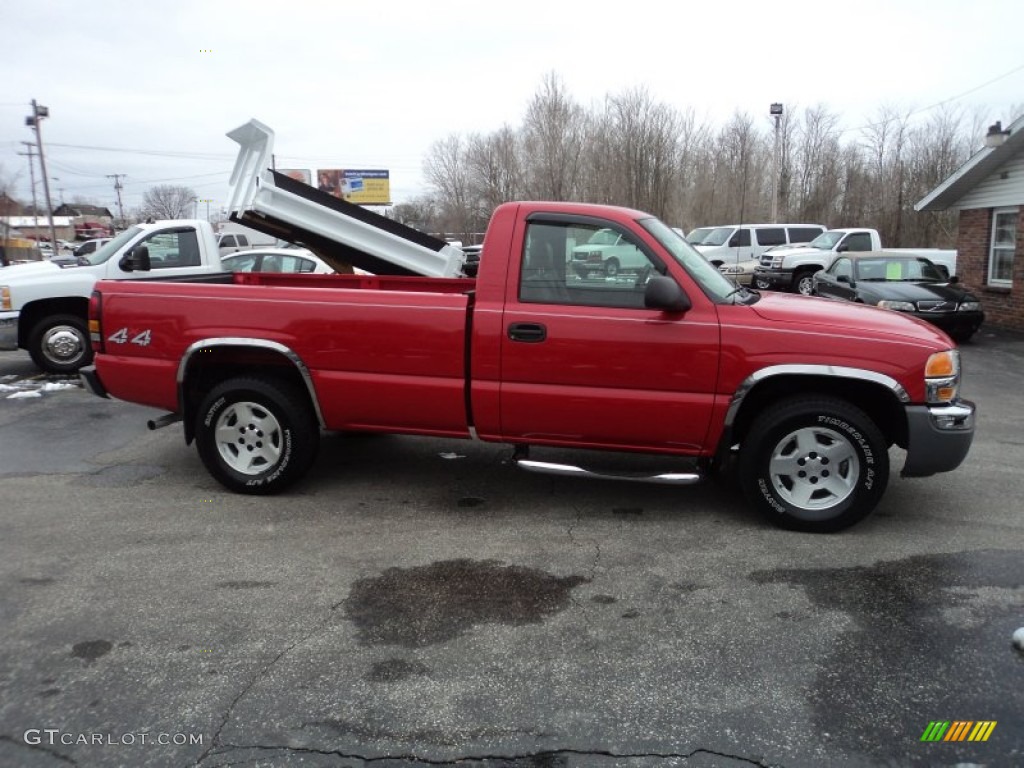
[(988, 191)]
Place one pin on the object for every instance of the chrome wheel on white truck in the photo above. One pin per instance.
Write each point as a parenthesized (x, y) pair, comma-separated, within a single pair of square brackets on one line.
[(60, 344)]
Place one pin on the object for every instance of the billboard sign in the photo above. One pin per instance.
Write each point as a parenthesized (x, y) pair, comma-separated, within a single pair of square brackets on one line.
[(359, 186), (299, 174)]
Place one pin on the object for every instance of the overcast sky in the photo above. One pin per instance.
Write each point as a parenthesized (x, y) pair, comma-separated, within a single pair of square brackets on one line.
[(148, 89)]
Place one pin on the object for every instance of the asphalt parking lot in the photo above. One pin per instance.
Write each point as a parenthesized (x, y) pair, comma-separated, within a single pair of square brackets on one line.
[(417, 602)]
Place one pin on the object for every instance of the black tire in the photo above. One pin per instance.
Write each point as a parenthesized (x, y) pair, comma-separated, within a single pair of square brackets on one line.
[(762, 284), (60, 343), (803, 282), (815, 464), (277, 440), (611, 267)]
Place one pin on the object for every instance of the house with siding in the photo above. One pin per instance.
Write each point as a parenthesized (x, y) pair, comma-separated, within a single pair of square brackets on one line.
[(988, 192)]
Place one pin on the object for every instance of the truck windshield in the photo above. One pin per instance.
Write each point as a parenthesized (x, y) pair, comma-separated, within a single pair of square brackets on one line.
[(104, 252), (718, 236), (826, 241), (715, 285)]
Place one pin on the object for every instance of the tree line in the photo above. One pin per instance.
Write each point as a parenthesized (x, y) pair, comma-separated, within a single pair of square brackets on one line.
[(637, 152)]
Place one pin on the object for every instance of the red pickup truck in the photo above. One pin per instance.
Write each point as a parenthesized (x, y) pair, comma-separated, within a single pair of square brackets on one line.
[(801, 397)]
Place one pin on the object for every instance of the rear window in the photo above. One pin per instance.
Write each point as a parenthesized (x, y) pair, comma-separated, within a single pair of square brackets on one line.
[(771, 236), (803, 234)]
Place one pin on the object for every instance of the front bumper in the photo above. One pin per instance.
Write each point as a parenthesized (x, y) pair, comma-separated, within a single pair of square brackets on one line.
[(953, 323), (9, 330), (776, 279), (938, 437), (91, 379)]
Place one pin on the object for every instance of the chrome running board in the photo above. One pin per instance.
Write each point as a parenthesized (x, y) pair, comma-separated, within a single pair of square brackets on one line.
[(568, 470)]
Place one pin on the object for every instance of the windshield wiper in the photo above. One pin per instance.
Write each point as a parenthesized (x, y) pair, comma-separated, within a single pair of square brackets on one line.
[(740, 289)]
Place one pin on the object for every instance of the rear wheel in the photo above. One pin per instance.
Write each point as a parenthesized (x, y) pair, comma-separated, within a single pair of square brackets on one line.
[(814, 464), (762, 283), (256, 435), (60, 344), (804, 282), (611, 267)]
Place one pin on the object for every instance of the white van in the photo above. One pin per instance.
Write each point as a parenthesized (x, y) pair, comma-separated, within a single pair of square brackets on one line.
[(734, 243)]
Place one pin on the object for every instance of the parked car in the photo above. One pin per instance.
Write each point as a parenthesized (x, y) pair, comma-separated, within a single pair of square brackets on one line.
[(287, 260), (726, 246), (90, 246), (606, 253), (905, 283)]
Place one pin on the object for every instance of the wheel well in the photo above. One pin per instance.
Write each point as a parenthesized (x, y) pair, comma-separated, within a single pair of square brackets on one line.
[(877, 401), (812, 268), (209, 367), (35, 311)]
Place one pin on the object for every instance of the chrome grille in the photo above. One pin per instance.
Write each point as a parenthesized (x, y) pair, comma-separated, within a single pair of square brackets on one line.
[(936, 306)]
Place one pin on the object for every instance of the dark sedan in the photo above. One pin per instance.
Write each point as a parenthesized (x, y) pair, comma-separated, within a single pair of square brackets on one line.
[(905, 283)]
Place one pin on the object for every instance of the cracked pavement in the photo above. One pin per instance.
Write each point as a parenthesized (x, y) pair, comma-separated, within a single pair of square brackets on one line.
[(419, 602)]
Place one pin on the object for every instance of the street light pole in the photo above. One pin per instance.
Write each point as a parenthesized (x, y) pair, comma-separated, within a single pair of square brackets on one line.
[(38, 113), (775, 111)]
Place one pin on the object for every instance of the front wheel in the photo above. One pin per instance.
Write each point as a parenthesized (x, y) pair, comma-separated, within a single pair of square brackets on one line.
[(256, 435), (611, 267), (814, 464), (804, 283), (60, 344)]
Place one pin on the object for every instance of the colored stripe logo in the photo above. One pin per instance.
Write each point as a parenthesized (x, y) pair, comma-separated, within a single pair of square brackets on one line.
[(958, 730)]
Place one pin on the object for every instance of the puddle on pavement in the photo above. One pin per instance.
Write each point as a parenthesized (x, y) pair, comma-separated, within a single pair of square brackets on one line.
[(425, 605), (90, 650), (929, 637)]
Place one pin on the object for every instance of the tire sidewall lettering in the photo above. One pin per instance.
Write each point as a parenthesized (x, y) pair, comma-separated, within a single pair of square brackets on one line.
[(212, 412), (282, 463)]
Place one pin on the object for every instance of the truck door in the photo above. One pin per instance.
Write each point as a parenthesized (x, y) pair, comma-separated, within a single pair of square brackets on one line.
[(584, 363)]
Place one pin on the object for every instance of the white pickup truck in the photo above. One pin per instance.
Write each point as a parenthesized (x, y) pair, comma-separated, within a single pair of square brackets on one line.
[(792, 267), (44, 307)]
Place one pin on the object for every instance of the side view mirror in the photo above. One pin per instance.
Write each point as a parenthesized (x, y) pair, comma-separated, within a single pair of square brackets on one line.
[(665, 294), (844, 279), (842, 248), (136, 260), (952, 278)]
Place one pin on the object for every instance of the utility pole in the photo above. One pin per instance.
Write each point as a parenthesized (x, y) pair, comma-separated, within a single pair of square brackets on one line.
[(117, 188), (207, 201), (32, 121), (30, 154), (775, 111)]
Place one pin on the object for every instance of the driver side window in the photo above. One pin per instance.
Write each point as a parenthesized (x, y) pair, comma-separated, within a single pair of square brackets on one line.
[(842, 268), (585, 265), (173, 249)]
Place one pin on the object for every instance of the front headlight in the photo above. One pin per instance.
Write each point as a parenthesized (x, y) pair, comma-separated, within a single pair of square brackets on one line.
[(942, 376), (777, 262), (901, 306), (5, 298), (970, 306)]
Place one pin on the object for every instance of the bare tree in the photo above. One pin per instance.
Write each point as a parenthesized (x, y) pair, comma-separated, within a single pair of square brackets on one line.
[(553, 134), (495, 172), (167, 201), (446, 170), (640, 139)]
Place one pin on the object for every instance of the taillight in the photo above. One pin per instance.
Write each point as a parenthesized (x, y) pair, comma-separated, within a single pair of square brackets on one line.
[(95, 326)]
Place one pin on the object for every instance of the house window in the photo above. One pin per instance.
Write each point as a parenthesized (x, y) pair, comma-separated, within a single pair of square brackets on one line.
[(1004, 242)]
